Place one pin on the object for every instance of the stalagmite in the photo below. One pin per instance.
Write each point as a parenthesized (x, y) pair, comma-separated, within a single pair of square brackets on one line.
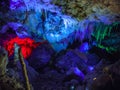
[(28, 87)]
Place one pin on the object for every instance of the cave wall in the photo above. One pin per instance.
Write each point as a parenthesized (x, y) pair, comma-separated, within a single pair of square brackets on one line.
[(60, 22)]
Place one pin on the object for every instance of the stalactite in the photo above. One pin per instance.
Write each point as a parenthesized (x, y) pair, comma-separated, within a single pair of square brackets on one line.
[(109, 30), (16, 56), (101, 31), (105, 32)]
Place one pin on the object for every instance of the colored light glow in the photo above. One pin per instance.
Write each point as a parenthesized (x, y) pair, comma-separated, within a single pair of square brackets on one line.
[(78, 72), (84, 47), (58, 26), (26, 44), (91, 68)]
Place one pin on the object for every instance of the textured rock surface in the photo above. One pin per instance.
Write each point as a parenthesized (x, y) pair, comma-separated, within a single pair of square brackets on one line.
[(3, 60), (80, 9), (70, 59), (43, 20), (41, 56), (103, 76), (32, 74), (7, 82), (84, 23)]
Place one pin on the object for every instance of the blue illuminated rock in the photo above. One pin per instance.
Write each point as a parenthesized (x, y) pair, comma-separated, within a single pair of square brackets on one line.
[(46, 21)]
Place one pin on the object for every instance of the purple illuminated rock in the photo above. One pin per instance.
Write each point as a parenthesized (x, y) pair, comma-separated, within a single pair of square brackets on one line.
[(41, 56), (71, 59), (93, 59), (20, 29), (76, 73)]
